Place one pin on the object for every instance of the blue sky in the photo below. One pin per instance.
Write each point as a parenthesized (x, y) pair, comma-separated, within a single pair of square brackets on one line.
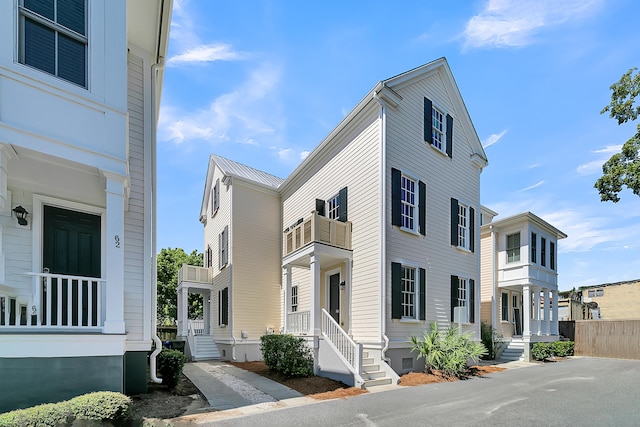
[(263, 82)]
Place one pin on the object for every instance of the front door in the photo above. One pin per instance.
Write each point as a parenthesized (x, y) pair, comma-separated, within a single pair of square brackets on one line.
[(71, 246), (517, 315), (334, 296)]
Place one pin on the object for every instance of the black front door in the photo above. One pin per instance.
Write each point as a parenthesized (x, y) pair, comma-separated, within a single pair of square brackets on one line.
[(71, 246), (334, 296)]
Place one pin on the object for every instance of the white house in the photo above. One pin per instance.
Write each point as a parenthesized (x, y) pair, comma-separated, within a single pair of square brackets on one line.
[(520, 280), (80, 87), (375, 234)]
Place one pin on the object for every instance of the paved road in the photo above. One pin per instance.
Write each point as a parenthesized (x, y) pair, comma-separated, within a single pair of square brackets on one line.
[(576, 392)]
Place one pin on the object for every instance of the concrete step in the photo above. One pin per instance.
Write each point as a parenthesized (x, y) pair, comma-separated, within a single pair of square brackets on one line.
[(373, 375), (370, 368), (367, 361), (376, 382)]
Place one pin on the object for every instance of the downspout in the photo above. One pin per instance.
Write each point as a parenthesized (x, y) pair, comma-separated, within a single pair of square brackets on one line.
[(494, 309), (383, 233), (154, 285), (230, 311)]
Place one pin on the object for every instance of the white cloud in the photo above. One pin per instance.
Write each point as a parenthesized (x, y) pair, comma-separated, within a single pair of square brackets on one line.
[(244, 115), (595, 166), (509, 23), (493, 138), (304, 154), (533, 166), (531, 187), (206, 53)]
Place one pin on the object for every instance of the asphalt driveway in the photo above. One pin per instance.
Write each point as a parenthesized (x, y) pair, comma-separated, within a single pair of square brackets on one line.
[(579, 391)]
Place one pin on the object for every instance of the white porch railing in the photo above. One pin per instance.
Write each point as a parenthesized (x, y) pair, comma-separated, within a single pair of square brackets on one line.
[(317, 228), (196, 327), (57, 301), (192, 273), (338, 338), (298, 322)]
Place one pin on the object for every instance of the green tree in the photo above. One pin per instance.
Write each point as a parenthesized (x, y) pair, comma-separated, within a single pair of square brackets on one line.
[(169, 263), (622, 169)]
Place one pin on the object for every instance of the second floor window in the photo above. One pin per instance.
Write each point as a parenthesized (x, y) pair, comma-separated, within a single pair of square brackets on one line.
[(513, 247), (552, 255), (333, 207), (223, 248), (463, 226), (408, 195), (543, 251), (534, 248), (53, 38)]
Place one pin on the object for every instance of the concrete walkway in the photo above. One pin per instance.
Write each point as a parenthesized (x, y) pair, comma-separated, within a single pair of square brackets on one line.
[(226, 387)]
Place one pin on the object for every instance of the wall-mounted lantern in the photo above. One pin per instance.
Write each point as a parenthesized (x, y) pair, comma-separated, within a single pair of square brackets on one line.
[(21, 214)]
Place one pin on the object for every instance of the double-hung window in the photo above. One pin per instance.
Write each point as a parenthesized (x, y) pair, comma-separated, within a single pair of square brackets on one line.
[(223, 248), (437, 129), (513, 247), (53, 37), (534, 248), (409, 203), (294, 298), (552, 255), (408, 292), (333, 207), (504, 300), (543, 251), (215, 197), (463, 295), (463, 226), (223, 307)]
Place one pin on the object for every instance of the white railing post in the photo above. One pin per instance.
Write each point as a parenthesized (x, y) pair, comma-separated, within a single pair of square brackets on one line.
[(344, 345)]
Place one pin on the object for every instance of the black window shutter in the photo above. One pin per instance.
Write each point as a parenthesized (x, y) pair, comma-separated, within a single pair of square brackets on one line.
[(342, 207), (225, 242), (449, 136), (225, 306), (396, 290), (428, 121), (422, 208), (396, 197), (320, 207), (472, 301), (454, 222), (472, 229), (423, 294), (220, 251), (454, 294)]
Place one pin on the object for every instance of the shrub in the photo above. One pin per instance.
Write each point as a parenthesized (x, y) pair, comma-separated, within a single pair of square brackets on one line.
[(49, 414), (287, 355), (170, 364), (448, 351), (543, 350), (101, 406)]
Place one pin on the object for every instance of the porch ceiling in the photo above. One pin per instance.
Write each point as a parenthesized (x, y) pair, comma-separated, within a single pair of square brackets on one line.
[(326, 253)]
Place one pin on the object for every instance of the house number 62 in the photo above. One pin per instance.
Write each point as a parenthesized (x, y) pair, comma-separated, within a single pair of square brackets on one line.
[(116, 241)]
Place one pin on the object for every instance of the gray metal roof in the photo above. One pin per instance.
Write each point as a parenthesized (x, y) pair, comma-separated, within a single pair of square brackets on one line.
[(229, 167)]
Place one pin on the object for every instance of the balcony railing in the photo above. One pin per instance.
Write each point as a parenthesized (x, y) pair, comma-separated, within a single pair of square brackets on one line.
[(298, 322), (57, 302), (317, 228), (192, 273)]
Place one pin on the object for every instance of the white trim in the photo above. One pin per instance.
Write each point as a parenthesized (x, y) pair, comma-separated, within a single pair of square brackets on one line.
[(61, 345), (327, 291)]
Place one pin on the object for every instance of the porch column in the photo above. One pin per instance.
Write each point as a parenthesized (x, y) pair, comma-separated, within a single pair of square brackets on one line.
[(183, 310), (536, 311), (114, 256), (547, 311), (287, 296), (554, 315), (314, 264), (206, 312), (348, 292), (526, 311)]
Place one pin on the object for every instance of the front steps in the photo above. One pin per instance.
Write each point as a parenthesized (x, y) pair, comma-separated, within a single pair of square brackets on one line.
[(371, 372), (514, 350), (205, 348)]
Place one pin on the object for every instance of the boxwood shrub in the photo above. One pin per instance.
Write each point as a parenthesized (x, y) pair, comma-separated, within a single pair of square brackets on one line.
[(170, 364), (286, 354), (543, 350), (102, 406)]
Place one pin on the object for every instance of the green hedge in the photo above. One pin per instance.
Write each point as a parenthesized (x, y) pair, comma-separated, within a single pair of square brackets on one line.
[(287, 355), (170, 364), (543, 350), (99, 406)]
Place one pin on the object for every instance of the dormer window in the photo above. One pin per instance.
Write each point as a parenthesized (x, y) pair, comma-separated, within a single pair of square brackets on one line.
[(53, 38)]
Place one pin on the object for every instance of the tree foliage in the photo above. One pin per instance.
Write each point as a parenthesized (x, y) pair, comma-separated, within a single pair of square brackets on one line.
[(622, 169), (169, 263)]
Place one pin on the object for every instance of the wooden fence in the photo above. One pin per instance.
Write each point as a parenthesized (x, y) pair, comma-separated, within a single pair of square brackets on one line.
[(618, 339), (167, 333)]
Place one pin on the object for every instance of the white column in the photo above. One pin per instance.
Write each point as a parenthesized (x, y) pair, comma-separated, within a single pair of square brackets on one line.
[(206, 312), (114, 257), (547, 311), (348, 293), (554, 310), (179, 313), (287, 297), (314, 265), (526, 311), (536, 310), (183, 310)]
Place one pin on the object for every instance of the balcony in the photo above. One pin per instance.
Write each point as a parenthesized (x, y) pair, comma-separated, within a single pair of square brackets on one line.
[(193, 274), (319, 229)]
